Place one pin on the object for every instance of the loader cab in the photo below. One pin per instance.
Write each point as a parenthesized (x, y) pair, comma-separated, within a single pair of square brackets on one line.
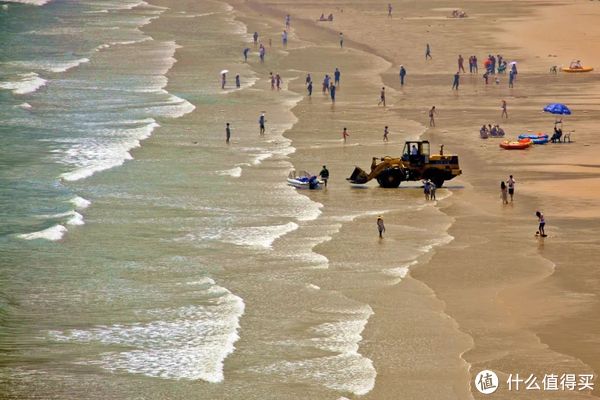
[(416, 152)]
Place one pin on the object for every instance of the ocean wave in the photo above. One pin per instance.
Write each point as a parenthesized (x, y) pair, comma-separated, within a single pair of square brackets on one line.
[(92, 155), (25, 106), (28, 83), (80, 203), (51, 66), (346, 371), (235, 172), (189, 342), (53, 233), (256, 236), (32, 2)]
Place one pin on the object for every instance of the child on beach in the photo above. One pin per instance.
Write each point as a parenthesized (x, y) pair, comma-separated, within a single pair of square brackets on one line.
[(309, 88), (426, 189), (432, 188), (541, 231), (227, 133), (345, 134), (261, 123), (332, 92), (503, 193), (504, 113), (385, 134), (324, 174), (380, 226)]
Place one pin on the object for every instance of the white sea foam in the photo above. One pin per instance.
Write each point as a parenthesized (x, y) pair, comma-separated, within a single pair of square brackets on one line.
[(25, 106), (398, 273), (313, 287), (257, 236), (27, 83), (51, 66), (91, 156), (346, 371), (189, 342), (259, 158), (32, 2), (235, 172), (76, 219), (53, 233), (80, 203)]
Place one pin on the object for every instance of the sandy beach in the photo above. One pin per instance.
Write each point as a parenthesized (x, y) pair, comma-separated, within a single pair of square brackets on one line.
[(262, 291)]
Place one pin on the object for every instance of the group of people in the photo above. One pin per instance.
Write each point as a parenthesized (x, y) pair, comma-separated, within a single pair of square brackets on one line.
[(507, 189), (276, 81), (491, 130), (238, 83), (458, 14), (329, 18), (429, 189)]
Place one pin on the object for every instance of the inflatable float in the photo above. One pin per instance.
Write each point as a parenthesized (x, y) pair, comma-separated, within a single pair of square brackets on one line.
[(520, 145), (582, 69), (536, 138)]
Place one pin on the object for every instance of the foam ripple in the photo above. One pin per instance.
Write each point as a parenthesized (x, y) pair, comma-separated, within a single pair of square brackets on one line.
[(54, 233), (28, 83)]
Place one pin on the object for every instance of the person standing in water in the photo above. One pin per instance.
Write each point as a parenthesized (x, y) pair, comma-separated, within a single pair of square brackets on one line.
[(255, 37), (504, 112), (284, 38), (223, 80), (309, 87), (237, 81), (382, 97), (542, 224), (380, 226), (227, 133), (324, 174), (461, 62), (456, 81), (432, 113), (332, 92), (261, 123), (246, 50), (511, 187), (336, 77), (503, 192), (278, 81), (345, 134), (341, 40), (385, 134), (428, 52), (402, 75)]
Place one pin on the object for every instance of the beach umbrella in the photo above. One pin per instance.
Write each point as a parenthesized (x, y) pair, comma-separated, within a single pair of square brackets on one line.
[(224, 71), (557, 109)]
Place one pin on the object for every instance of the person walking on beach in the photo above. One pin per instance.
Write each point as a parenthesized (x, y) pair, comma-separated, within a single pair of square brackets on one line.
[(511, 187), (542, 224), (255, 37), (332, 92), (237, 81), (475, 68), (345, 134), (227, 133), (246, 50), (308, 79), (402, 75), (390, 10), (432, 188), (380, 226), (272, 79), (336, 76), (504, 112), (324, 174), (278, 81), (261, 53), (428, 52), (456, 81), (511, 78), (382, 97), (503, 192), (284, 38), (432, 113), (261, 123), (461, 62), (386, 132), (341, 40), (223, 80), (309, 87), (326, 83)]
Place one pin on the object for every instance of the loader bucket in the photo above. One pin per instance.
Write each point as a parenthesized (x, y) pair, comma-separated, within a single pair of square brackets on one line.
[(358, 176)]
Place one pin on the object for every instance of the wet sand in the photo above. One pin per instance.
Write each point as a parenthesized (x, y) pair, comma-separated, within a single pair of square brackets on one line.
[(490, 295)]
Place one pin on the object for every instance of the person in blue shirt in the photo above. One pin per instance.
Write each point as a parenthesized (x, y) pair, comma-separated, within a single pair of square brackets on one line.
[(332, 93), (336, 76), (402, 75)]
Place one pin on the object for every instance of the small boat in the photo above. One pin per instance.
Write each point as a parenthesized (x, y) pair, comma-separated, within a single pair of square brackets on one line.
[(303, 180), (520, 145), (582, 69), (536, 138)]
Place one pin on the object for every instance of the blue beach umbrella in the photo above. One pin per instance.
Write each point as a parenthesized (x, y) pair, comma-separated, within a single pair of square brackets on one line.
[(557, 109)]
